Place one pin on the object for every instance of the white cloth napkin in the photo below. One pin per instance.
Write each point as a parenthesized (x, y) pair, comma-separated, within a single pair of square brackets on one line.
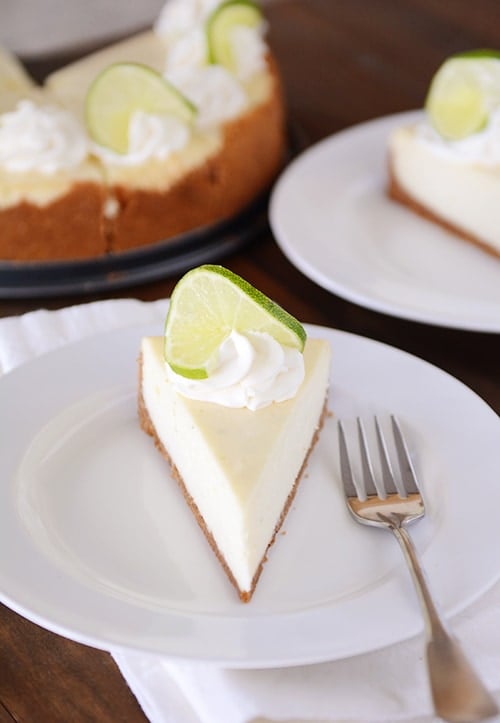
[(379, 687)]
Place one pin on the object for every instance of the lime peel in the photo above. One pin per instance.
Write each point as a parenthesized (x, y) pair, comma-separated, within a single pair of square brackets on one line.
[(122, 89), (463, 93), (207, 304)]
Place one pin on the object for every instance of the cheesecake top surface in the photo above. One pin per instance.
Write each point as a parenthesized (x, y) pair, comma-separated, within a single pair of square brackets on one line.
[(239, 438)]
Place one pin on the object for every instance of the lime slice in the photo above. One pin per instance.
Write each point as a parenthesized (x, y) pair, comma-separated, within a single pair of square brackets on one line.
[(206, 305), (463, 93), (119, 91), (220, 25)]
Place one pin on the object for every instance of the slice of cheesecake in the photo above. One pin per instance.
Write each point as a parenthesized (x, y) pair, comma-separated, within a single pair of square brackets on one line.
[(446, 166), (238, 469), (459, 194)]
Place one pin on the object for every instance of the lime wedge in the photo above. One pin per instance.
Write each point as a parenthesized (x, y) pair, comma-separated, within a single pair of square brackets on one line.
[(220, 25), (119, 91), (206, 305), (463, 93)]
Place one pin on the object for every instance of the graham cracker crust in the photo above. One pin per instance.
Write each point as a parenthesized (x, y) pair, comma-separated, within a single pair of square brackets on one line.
[(398, 193), (148, 427)]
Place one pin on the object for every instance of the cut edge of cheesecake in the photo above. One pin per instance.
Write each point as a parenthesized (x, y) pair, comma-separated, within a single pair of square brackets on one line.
[(407, 155), (396, 192), (148, 427)]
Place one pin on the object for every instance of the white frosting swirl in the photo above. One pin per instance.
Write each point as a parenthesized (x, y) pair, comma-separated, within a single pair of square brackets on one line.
[(482, 147), (188, 52), (150, 136), (179, 16), (217, 95), (253, 370), (40, 138), (249, 50)]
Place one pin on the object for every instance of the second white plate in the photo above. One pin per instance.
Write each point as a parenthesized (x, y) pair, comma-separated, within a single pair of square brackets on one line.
[(330, 214)]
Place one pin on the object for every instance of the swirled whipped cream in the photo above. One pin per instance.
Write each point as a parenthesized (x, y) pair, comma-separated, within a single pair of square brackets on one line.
[(217, 95), (482, 147), (249, 49), (40, 138), (253, 370), (150, 136), (179, 16), (182, 25)]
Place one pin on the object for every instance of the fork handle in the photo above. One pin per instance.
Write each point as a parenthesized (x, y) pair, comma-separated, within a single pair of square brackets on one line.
[(458, 694)]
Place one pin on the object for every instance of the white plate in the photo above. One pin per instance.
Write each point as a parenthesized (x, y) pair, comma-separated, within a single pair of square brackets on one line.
[(97, 543), (331, 217)]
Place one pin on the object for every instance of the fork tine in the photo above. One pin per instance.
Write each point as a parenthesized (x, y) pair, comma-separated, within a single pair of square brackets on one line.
[(345, 466), (368, 476), (385, 463), (408, 475)]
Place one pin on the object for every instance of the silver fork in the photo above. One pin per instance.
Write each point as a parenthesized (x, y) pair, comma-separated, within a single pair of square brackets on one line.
[(457, 692)]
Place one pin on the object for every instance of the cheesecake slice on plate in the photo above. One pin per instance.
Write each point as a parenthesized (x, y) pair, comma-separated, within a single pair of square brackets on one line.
[(447, 166), (238, 439)]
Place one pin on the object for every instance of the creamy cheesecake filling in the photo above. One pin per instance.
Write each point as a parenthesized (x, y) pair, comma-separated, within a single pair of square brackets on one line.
[(41, 190), (239, 466), (13, 76), (69, 84), (156, 175), (461, 192)]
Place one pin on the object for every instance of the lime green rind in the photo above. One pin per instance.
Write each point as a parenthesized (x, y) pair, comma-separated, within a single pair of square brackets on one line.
[(460, 100), (478, 53), (205, 324), (219, 24), (265, 302), (122, 88), (187, 372)]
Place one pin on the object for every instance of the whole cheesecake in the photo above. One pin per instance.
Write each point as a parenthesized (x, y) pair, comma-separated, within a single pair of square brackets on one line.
[(62, 205)]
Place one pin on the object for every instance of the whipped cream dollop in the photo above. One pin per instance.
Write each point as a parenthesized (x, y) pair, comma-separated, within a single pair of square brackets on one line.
[(482, 147), (218, 94), (249, 49), (150, 136), (41, 138), (253, 370), (180, 16)]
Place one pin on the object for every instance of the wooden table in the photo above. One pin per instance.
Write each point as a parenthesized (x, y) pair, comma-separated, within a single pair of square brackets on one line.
[(343, 62)]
